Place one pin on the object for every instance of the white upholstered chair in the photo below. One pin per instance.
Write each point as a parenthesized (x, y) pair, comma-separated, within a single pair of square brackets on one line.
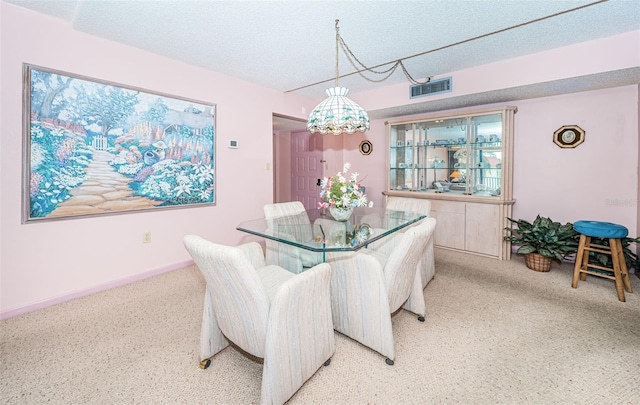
[(425, 273), (421, 206), (367, 287), (289, 218), (266, 311)]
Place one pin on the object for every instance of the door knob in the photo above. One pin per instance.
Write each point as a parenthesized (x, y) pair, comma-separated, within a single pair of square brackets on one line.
[(318, 183)]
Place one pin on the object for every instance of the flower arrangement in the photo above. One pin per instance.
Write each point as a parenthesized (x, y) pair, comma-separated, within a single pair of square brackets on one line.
[(338, 192)]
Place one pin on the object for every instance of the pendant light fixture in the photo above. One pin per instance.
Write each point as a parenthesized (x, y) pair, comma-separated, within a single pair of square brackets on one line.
[(337, 114)]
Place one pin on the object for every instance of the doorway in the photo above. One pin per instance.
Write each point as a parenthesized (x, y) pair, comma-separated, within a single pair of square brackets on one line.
[(297, 162), (307, 153)]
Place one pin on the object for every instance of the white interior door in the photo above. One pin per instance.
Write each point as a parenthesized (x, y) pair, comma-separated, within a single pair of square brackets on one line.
[(306, 168)]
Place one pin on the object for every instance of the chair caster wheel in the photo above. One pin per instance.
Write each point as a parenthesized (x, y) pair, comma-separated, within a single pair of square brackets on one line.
[(421, 318), (326, 363), (204, 364), (389, 361)]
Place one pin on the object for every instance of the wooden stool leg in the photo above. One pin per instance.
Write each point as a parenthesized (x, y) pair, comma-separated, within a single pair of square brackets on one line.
[(579, 259), (585, 258), (614, 245), (624, 271)]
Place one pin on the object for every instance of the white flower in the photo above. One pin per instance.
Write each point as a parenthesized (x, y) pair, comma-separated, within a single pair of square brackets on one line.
[(165, 187), (57, 131), (37, 132), (38, 155), (205, 174), (183, 188), (204, 194), (182, 179), (341, 193)]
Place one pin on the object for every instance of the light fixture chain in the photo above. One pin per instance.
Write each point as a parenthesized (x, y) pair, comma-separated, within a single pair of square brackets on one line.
[(351, 56), (359, 71), (478, 37), (337, 41), (411, 79), (337, 114)]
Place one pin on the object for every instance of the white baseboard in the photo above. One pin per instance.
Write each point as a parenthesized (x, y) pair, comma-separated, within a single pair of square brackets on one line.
[(102, 287)]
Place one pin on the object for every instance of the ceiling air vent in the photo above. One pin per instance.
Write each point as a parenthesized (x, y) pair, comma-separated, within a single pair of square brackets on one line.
[(431, 88)]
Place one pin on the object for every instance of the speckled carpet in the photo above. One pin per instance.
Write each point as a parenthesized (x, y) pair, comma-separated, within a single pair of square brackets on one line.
[(495, 333)]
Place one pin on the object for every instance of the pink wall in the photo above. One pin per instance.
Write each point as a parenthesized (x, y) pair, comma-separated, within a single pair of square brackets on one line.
[(593, 57), (42, 263), (597, 180), (597, 110), (372, 167), (282, 165)]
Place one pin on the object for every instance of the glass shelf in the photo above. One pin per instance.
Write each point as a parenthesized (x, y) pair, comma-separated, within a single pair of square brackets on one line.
[(462, 154), (459, 163)]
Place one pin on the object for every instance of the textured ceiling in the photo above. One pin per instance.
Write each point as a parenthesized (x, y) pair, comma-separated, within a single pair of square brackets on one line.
[(290, 45)]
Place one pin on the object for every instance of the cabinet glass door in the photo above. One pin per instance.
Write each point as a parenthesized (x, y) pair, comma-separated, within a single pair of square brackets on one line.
[(445, 141), (401, 157), (458, 155), (485, 155)]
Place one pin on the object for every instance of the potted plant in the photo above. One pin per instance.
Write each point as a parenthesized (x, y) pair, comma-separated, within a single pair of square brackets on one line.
[(542, 241), (342, 195)]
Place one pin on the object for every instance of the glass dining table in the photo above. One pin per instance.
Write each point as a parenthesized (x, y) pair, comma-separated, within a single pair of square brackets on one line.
[(316, 231)]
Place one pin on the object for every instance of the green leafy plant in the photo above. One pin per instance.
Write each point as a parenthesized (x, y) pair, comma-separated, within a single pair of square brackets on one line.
[(543, 236)]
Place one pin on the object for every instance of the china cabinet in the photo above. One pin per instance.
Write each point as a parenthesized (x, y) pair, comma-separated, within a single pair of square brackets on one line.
[(462, 162)]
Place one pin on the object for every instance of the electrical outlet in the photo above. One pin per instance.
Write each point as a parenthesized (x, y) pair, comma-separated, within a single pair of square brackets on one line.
[(146, 237)]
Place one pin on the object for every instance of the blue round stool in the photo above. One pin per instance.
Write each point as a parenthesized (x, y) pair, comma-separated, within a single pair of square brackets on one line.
[(604, 230)]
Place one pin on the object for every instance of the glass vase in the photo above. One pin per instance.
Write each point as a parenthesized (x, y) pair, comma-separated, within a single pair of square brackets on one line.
[(340, 214)]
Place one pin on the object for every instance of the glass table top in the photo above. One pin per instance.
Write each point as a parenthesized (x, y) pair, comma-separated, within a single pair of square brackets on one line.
[(317, 231)]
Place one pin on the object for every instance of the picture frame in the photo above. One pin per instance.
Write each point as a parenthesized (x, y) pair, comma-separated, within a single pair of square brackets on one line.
[(365, 147), (93, 147), (568, 136)]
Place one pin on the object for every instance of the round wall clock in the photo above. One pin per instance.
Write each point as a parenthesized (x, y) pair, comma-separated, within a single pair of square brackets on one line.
[(568, 136), (366, 147)]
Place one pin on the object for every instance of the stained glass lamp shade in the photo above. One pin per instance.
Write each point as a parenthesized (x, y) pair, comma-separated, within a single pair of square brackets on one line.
[(337, 114)]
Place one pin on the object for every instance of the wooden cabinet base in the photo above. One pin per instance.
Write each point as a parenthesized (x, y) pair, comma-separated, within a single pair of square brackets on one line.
[(472, 227)]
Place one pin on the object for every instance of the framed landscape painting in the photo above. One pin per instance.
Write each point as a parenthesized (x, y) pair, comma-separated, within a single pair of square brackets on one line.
[(95, 148)]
